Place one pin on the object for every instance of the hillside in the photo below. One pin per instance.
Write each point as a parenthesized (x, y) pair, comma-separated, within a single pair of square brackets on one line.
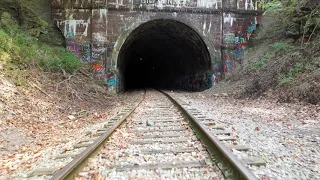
[(283, 58)]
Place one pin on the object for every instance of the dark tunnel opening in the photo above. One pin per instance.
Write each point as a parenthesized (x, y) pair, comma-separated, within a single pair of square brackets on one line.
[(165, 54)]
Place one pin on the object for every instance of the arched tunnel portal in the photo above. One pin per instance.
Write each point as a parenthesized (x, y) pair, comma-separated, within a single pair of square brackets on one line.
[(165, 54)]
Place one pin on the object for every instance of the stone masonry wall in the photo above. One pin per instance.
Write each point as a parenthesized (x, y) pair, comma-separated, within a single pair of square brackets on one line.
[(95, 29)]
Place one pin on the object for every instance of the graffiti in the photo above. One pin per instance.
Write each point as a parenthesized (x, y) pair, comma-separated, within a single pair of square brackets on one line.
[(228, 19), (73, 48), (241, 43), (98, 37), (229, 38), (252, 28), (98, 52), (228, 65), (97, 67), (81, 50), (209, 3), (86, 52), (240, 40), (111, 79), (99, 71), (216, 71), (228, 58), (238, 53), (69, 35)]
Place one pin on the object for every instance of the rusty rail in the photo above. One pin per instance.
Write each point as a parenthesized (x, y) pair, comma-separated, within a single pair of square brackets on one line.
[(236, 169), (69, 171), (216, 148)]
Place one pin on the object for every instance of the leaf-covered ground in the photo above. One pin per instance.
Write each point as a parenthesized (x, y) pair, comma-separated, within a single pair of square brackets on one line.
[(49, 111)]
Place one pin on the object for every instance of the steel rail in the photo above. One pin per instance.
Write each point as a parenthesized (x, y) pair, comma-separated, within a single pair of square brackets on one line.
[(69, 171), (215, 147)]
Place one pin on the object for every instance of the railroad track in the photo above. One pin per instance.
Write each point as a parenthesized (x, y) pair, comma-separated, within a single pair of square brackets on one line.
[(157, 138)]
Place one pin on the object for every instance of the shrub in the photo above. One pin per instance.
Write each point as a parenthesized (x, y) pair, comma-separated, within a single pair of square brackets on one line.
[(19, 51)]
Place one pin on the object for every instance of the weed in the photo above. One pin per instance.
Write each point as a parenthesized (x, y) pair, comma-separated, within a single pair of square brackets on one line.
[(282, 46), (261, 62), (286, 79)]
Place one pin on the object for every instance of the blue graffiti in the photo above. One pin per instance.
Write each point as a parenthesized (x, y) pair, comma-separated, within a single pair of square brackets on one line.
[(229, 65), (252, 28), (111, 81), (238, 53)]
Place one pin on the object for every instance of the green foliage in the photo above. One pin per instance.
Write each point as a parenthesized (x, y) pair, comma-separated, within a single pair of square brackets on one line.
[(276, 4), (285, 80), (261, 62), (58, 59), (282, 46), (269, 6), (299, 67), (298, 20), (19, 51), (277, 47), (8, 49)]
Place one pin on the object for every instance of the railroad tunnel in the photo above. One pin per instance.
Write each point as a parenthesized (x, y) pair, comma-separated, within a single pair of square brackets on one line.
[(165, 54)]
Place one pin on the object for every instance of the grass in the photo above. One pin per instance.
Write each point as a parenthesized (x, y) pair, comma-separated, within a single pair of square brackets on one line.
[(281, 47), (261, 62), (299, 67), (275, 49), (19, 51)]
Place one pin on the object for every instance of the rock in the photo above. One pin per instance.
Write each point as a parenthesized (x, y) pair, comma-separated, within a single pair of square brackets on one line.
[(71, 117), (87, 133), (149, 123)]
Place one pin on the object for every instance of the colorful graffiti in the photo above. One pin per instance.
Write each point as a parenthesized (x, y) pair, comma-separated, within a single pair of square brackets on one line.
[(241, 43), (99, 71), (98, 52), (228, 57), (229, 38), (86, 52), (82, 50), (252, 28), (236, 44), (111, 76)]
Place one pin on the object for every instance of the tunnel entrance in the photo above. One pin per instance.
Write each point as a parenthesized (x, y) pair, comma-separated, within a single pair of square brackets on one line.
[(165, 54)]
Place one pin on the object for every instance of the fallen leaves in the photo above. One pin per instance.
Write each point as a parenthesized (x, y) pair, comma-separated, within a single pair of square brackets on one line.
[(234, 143), (146, 159), (301, 149), (43, 123)]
